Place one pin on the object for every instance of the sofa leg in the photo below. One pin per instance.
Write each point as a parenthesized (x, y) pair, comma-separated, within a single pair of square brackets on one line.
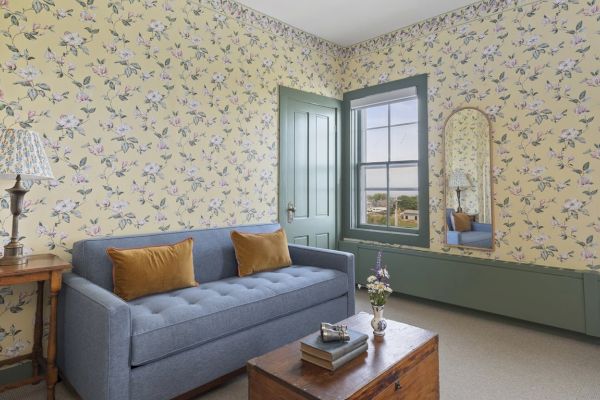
[(192, 394)]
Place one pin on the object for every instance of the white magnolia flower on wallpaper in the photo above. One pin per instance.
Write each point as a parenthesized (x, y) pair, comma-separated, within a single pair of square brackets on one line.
[(154, 96), (221, 148), (572, 205), (68, 121), (72, 39), (126, 54), (156, 26), (122, 130), (65, 206), (29, 73), (152, 168)]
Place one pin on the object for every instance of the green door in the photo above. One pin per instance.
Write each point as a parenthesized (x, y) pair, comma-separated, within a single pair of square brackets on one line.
[(307, 168)]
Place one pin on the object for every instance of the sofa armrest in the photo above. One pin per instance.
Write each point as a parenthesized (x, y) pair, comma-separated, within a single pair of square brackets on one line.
[(94, 334), (453, 237), (324, 258)]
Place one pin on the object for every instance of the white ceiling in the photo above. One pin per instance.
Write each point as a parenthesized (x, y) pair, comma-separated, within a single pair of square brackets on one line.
[(348, 22)]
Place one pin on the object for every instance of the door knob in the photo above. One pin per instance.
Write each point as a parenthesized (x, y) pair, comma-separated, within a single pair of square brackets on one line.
[(291, 211)]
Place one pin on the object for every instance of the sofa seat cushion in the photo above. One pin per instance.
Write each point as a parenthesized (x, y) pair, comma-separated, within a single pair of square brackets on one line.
[(168, 323)]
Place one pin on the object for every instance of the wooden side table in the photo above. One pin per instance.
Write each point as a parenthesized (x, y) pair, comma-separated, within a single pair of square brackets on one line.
[(39, 268)]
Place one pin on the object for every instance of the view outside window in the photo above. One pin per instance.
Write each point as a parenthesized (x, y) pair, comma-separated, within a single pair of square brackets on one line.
[(388, 164)]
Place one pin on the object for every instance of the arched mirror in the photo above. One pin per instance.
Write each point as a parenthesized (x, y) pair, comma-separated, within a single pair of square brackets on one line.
[(467, 162)]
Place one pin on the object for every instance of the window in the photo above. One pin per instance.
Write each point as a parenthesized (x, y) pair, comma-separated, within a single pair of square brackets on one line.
[(387, 174)]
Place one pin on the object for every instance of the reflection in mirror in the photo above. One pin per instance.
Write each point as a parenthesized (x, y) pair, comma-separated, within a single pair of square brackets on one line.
[(467, 157)]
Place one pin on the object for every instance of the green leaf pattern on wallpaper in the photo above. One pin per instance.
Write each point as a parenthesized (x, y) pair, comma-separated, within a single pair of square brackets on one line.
[(156, 115), (535, 71), (162, 115)]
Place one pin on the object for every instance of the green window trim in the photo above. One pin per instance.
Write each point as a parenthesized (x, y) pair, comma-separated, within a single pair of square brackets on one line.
[(351, 227)]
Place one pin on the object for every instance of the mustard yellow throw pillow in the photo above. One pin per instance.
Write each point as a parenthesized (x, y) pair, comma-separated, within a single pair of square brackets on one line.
[(462, 222), (142, 271), (257, 252)]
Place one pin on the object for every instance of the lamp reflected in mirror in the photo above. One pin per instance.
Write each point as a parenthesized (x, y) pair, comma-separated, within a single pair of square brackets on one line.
[(459, 182), (467, 163)]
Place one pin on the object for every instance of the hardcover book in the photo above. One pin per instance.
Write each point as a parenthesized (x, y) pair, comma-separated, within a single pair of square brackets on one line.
[(330, 351), (333, 365)]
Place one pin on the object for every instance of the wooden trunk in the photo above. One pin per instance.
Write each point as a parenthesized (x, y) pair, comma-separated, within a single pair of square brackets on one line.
[(402, 365)]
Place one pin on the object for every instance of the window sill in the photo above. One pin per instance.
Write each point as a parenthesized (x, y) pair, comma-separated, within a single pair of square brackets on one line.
[(417, 239)]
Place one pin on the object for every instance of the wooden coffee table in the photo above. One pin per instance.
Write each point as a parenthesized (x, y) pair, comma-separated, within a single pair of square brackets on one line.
[(402, 365)]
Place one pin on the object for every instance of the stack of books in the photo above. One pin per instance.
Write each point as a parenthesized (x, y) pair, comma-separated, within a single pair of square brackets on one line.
[(332, 355)]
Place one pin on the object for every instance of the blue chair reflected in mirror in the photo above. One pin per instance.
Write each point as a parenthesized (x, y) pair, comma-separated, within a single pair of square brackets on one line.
[(479, 236)]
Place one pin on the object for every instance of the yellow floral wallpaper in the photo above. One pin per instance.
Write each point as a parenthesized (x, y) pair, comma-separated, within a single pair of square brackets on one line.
[(467, 148), (162, 115), (534, 70), (157, 115)]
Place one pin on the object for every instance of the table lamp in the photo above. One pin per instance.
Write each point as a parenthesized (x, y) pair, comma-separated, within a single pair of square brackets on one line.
[(459, 181), (22, 156)]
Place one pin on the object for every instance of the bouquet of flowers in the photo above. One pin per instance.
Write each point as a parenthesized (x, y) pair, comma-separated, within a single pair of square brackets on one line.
[(378, 285)]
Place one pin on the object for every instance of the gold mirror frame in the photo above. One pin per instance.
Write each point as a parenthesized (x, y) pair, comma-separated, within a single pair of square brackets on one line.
[(445, 186)]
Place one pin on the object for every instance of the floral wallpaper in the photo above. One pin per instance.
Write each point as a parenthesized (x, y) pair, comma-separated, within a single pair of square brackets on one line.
[(162, 115), (467, 148), (156, 115), (534, 70)]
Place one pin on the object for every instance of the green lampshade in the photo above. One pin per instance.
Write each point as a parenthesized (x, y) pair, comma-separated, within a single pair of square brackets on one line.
[(22, 153)]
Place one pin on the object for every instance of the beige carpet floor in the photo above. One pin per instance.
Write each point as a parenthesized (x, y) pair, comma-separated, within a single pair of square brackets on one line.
[(481, 357)]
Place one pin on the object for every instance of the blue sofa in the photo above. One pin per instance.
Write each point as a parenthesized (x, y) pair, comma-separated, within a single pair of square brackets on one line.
[(163, 345), (480, 234)]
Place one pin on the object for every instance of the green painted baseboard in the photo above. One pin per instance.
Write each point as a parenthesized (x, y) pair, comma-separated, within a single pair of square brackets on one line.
[(556, 297), (15, 373)]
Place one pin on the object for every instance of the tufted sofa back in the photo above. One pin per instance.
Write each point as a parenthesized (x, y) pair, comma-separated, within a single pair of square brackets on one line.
[(214, 257)]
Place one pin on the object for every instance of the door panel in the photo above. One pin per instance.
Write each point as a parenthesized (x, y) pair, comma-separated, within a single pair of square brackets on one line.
[(323, 183), (307, 169), (322, 240), (300, 169)]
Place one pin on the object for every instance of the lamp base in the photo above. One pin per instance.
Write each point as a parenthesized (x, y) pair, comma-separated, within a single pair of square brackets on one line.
[(13, 250), (13, 255)]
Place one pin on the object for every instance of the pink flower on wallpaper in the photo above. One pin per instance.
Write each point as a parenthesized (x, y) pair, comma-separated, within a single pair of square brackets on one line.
[(588, 255), (93, 230), (591, 10), (79, 179), (96, 149)]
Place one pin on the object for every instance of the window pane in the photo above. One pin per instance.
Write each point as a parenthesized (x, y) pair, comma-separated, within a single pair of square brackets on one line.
[(404, 142), (376, 208), (374, 195), (376, 116), (404, 112), (374, 177), (404, 208), (404, 177), (375, 145)]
